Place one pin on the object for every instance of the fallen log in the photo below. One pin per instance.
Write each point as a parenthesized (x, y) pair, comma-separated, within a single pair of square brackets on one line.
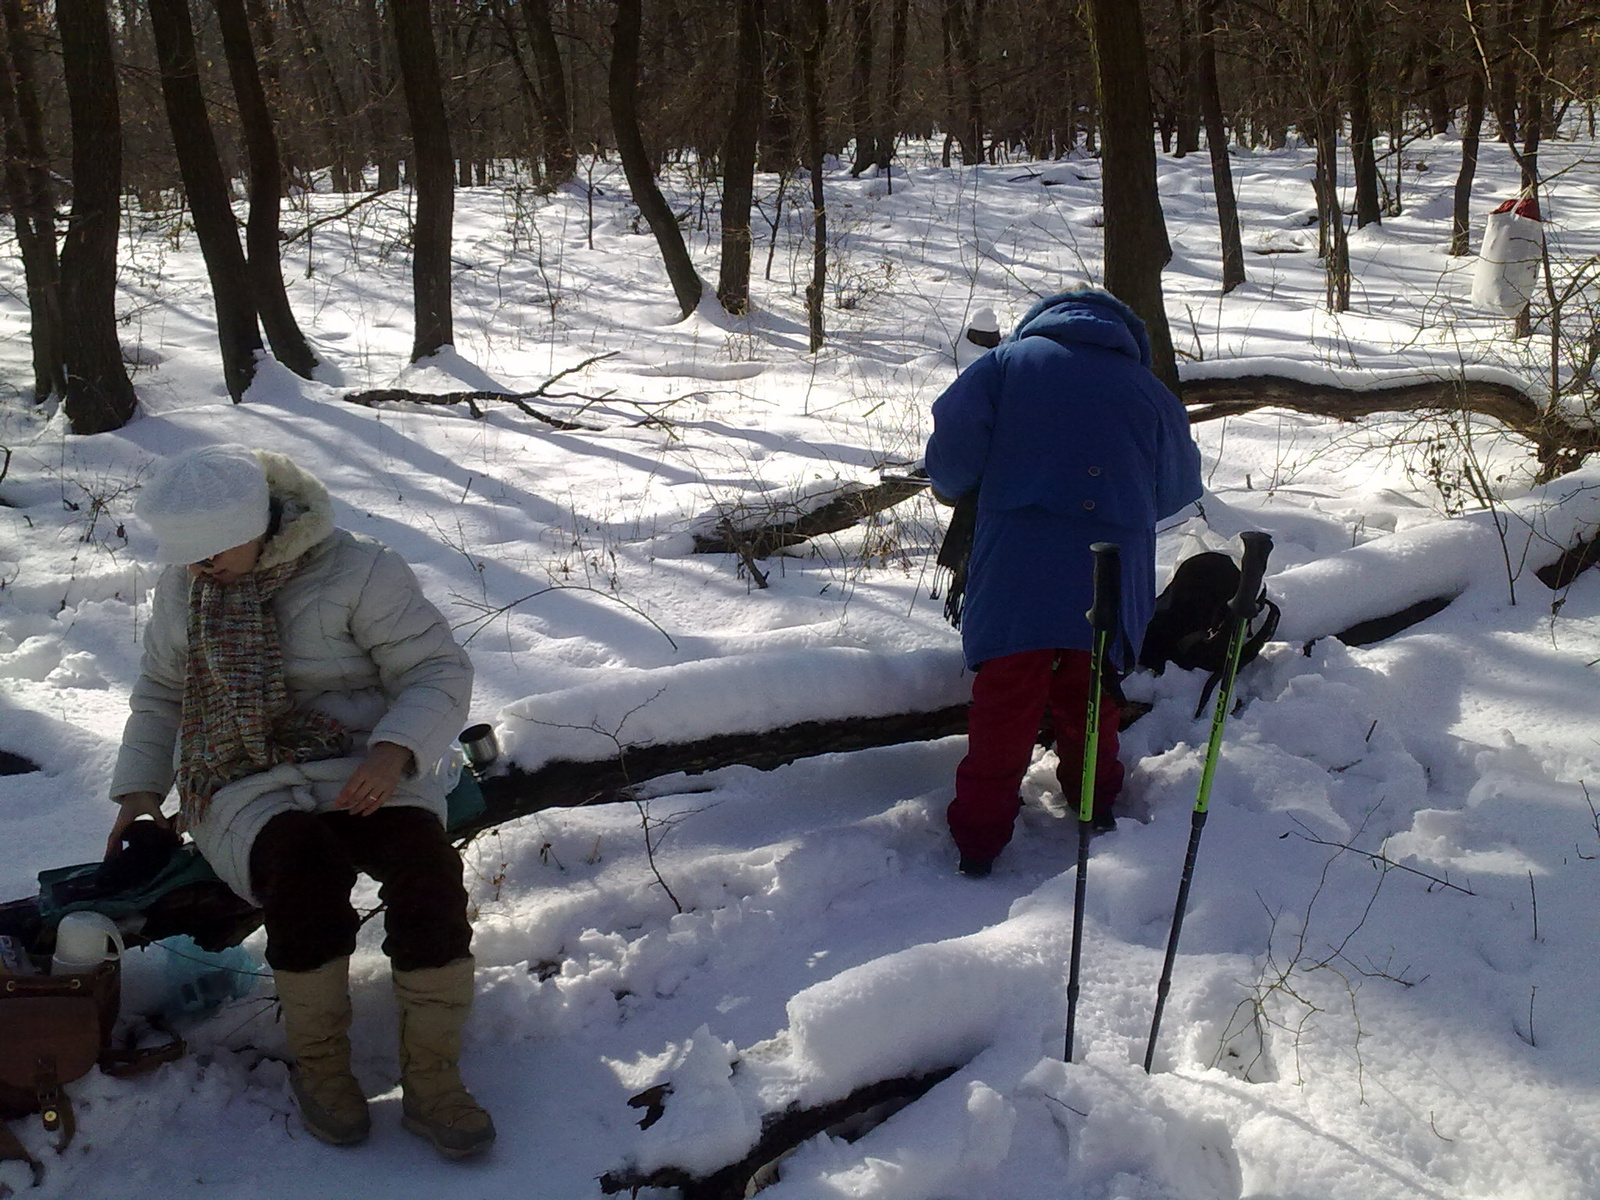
[(1570, 565), (1560, 443), (789, 524), (1367, 633), (847, 1119), (567, 784)]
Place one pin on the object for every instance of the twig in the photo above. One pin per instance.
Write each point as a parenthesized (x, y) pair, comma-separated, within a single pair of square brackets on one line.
[(741, 547), (1378, 858), (486, 615), (646, 824), (1534, 893)]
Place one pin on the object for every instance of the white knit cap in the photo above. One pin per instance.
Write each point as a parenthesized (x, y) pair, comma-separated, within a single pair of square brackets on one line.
[(205, 501)]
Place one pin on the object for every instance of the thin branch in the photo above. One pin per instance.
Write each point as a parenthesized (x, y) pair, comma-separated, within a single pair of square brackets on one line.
[(1377, 858), (488, 614)]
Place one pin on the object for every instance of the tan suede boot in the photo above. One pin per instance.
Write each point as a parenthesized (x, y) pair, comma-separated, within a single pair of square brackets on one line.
[(316, 1020), (434, 1004)]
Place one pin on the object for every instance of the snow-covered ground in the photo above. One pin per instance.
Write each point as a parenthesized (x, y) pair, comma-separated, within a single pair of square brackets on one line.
[(1340, 1025)]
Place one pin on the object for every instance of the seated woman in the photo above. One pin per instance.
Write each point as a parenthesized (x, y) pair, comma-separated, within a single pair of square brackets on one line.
[(303, 694)]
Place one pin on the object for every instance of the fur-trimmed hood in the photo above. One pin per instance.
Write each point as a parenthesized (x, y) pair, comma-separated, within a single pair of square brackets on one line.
[(307, 509)]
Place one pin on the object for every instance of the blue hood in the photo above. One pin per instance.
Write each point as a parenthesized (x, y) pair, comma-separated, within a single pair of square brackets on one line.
[(1087, 317)]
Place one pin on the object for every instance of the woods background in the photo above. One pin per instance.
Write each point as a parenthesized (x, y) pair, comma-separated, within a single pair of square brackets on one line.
[(173, 107)]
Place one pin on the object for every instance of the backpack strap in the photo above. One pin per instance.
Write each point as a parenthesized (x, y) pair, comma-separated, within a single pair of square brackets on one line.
[(1248, 649), (55, 1106)]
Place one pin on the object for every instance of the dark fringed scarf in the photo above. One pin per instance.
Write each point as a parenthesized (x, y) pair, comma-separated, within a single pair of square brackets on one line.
[(955, 552)]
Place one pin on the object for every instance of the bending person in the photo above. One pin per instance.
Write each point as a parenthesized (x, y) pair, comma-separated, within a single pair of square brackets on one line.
[(1066, 439), (303, 694)]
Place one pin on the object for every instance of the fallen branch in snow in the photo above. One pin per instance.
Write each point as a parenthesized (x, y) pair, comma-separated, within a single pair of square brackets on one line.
[(289, 238), (567, 784), (790, 524), (1380, 859), (1561, 444), (471, 399), (847, 1119)]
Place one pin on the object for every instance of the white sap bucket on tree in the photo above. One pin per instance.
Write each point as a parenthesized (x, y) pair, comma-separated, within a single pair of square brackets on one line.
[(1508, 261)]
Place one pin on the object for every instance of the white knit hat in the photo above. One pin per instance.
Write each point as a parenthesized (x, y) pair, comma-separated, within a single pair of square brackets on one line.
[(205, 501)]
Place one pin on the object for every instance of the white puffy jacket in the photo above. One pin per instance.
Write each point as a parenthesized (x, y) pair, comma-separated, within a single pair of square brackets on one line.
[(360, 642)]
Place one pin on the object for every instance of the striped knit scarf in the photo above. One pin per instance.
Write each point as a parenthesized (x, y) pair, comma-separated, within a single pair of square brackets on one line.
[(238, 718)]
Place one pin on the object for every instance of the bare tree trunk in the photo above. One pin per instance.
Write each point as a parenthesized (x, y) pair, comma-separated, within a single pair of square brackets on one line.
[(739, 162), (1217, 143), (1187, 109), (207, 190), (560, 158), (383, 121), (811, 84), (967, 28), (1135, 230), (1533, 96), (894, 97), (1336, 246), (1436, 83), (99, 395), (343, 161), (432, 175), (32, 195), (861, 86), (1358, 57), (624, 83), (779, 152), (262, 247), (1471, 130)]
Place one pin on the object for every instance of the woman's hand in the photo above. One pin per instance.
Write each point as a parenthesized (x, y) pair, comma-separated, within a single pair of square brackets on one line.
[(374, 781), (130, 808)]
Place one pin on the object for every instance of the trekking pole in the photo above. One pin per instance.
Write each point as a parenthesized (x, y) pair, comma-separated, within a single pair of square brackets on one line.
[(1103, 620), (1243, 606)]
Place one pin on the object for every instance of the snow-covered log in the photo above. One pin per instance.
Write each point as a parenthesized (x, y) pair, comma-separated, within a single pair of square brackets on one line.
[(1562, 442), (565, 783), (763, 525), (1499, 550)]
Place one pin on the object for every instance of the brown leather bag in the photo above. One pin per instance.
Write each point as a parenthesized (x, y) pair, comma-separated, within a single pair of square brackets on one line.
[(53, 1029)]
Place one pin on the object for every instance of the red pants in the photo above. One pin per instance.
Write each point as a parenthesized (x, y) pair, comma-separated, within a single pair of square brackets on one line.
[(1009, 695)]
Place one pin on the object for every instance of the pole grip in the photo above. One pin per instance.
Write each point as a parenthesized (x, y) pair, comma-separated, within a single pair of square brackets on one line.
[(1107, 587), (1257, 548)]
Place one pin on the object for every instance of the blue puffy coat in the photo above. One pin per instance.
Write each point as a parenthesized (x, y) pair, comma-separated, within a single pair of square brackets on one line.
[(1069, 440)]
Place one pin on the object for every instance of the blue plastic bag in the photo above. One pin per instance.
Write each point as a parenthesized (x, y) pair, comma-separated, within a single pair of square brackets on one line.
[(198, 981)]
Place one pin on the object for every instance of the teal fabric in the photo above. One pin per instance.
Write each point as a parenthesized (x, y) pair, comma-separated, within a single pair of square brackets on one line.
[(64, 890), (464, 803)]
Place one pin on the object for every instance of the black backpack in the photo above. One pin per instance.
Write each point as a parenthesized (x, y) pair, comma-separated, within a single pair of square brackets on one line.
[(1190, 625)]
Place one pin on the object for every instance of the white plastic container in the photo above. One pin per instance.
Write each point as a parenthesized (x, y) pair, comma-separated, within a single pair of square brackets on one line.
[(84, 940)]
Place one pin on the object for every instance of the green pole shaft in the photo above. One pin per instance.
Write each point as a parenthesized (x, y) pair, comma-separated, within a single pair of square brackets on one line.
[(1103, 619), (1257, 546)]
